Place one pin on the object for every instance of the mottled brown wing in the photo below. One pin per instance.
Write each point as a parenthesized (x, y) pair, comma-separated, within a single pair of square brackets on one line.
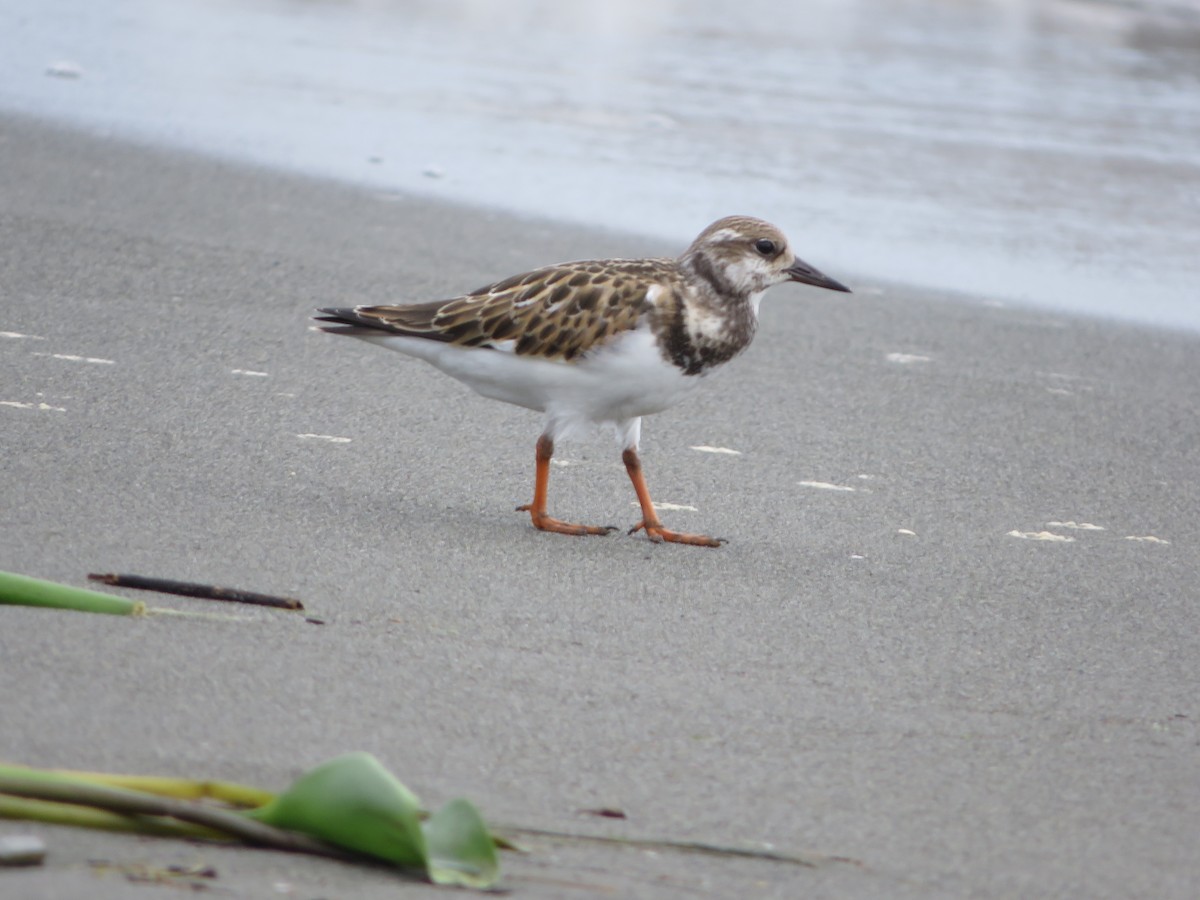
[(557, 312)]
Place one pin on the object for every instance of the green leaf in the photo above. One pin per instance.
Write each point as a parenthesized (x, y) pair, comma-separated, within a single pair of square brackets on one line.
[(461, 850), (352, 801)]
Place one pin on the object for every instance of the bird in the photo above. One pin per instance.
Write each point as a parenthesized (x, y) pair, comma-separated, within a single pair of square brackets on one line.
[(597, 342)]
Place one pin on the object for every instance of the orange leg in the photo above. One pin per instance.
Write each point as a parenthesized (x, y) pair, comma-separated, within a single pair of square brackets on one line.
[(537, 509), (654, 528)]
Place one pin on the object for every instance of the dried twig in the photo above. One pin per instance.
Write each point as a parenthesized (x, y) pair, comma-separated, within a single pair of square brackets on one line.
[(809, 860), (188, 589)]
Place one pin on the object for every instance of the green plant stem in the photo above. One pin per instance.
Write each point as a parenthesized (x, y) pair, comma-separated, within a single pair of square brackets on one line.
[(180, 788), (21, 590), (89, 817), (62, 790)]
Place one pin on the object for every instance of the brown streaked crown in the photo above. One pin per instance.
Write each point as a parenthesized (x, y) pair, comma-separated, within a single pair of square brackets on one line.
[(727, 255)]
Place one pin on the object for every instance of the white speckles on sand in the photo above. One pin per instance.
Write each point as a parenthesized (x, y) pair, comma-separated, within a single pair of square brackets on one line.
[(64, 68), (705, 448), (561, 463), (70, 357), (1072, 525), (826, 486), (332, 438), (907, 359), (17, 404), (1042, 536), (906, 531), (1064, 376), (672, 507), (1065, 385), (17, 335), (249, 372)]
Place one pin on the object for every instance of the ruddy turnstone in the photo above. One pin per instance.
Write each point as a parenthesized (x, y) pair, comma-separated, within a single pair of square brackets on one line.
[(598, 341)]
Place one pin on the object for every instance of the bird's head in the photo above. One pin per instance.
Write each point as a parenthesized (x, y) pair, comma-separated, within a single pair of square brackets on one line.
[(745, 256)]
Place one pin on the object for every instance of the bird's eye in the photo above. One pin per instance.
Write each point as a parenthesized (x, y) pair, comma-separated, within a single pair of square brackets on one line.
[(764, 246)]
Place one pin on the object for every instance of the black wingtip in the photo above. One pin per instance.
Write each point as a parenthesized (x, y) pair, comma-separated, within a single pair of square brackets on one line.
[(341, 315)]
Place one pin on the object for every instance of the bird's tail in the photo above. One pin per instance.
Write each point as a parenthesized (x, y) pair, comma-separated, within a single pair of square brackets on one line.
[(343, 320)]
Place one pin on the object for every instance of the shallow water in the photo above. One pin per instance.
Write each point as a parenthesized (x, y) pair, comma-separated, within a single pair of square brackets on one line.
[(1045, 151)]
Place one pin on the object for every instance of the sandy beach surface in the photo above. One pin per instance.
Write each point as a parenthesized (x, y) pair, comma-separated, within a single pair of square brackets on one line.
[(949, 650)]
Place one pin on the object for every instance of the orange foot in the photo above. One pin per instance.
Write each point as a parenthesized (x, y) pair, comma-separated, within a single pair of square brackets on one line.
[(658, 534), (543, 522)]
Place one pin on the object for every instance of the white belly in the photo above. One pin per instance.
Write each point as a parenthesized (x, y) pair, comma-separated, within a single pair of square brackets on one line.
[(623, 380)]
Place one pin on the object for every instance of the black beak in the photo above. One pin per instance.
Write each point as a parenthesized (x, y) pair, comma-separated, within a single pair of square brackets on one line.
[(806, 274)]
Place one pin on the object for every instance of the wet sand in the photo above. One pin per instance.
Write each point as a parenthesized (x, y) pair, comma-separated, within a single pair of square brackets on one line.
[(1042, 151), (951, 642)]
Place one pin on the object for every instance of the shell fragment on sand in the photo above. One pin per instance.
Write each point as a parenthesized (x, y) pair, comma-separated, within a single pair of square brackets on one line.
[(1042, 536)]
